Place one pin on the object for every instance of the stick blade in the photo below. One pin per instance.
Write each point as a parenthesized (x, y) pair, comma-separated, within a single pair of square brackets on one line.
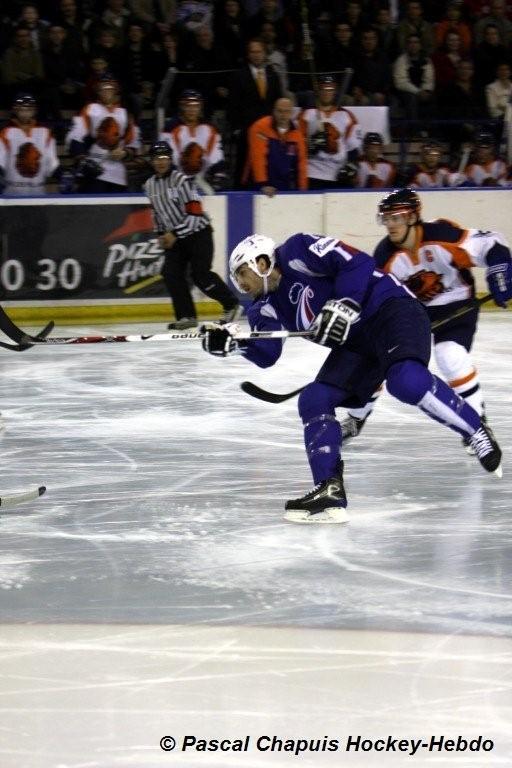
[(12, 499), (268, 397), (261, 394)]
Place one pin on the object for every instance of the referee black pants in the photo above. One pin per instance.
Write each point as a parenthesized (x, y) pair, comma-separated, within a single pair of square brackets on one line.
[(194, 255)]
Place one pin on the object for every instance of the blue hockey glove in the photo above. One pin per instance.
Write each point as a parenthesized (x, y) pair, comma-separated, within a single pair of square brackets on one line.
[(499, 279), (332, 325), (218, 339)]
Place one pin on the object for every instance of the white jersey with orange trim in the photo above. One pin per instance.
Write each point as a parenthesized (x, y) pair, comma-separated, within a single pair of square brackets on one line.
[(496, 169), (440, 177), (375, 175), (27, 156), (203, 134), (344, 133), (437, 269), (110, 127)]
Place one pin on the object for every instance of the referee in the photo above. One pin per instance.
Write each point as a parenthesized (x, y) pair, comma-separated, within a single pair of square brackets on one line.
[(186, 236)]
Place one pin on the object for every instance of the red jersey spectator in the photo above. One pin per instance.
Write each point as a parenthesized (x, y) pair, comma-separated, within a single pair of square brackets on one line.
[(447, 59), (453, 23)]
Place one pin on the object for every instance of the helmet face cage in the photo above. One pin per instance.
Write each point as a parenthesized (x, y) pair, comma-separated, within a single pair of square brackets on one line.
[(485, 140), (372, 138), (190, 96), (160, 149), (248, 252), (24, 100), (327, 81), (399, 202), (107, 82)]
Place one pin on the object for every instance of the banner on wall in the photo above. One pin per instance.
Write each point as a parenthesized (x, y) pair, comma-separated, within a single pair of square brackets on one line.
[(79, 252)]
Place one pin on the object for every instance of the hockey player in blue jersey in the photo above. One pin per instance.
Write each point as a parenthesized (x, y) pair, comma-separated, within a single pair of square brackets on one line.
[(434, 260), (376, 330)]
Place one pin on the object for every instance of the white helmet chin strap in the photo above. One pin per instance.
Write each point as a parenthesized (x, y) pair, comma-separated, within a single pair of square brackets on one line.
[(264, 275)]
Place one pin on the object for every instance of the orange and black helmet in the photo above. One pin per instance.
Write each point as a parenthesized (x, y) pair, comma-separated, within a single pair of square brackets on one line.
[(400, 201)]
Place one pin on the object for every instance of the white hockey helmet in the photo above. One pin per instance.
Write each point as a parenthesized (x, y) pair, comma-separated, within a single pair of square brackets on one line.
[(248, 251)]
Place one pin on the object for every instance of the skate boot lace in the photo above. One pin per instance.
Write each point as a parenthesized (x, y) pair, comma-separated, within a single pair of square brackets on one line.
[(481, 442), (316, 488), (319, 485)]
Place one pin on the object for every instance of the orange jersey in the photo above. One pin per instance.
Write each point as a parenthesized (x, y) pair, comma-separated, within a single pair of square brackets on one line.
[(277, 159)]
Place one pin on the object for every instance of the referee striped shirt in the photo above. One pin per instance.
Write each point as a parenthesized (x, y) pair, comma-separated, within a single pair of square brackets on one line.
[(176, 204)]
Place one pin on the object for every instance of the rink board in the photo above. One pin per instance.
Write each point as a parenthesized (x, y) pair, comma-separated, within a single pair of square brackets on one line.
[(97, 260)]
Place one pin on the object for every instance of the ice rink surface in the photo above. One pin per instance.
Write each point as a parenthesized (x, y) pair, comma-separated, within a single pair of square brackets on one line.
[(156, 590)]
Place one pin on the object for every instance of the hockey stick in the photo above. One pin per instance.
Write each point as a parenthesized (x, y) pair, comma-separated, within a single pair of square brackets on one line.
[(21, 347), (308, 45), (268, 397), (11, 499), (463, 310), (464, 159), (242, 336), (273, 397), (12, 331)]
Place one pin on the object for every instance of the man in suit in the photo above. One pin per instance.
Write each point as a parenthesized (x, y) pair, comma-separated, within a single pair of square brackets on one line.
[(253, 92)]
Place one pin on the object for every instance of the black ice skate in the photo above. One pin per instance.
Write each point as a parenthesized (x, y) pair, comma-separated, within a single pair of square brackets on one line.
[(487, 449), (326, 503), (351, 427), (466, 441)]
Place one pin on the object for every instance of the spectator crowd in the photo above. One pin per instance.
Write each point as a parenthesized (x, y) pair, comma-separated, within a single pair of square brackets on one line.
[(259, 98)]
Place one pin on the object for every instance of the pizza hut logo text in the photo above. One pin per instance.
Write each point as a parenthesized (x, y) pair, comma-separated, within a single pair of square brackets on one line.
[(133, 262)]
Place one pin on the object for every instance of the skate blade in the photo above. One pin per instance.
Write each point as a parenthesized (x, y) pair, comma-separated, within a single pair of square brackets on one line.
[(330, 515), (499, 471)]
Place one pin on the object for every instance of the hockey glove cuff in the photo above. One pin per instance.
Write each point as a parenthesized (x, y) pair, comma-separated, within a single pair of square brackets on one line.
[(218, 339), (499, 279), (333, 324)]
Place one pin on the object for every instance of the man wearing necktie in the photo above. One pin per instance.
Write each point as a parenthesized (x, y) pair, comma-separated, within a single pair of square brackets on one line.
[(253, 92)]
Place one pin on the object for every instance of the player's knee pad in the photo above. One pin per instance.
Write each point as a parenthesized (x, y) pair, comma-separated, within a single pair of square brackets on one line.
[(453, 360), (409, 381), (316, 399)]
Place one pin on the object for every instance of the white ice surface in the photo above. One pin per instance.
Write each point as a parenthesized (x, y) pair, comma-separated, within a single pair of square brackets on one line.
[(163, 516)]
